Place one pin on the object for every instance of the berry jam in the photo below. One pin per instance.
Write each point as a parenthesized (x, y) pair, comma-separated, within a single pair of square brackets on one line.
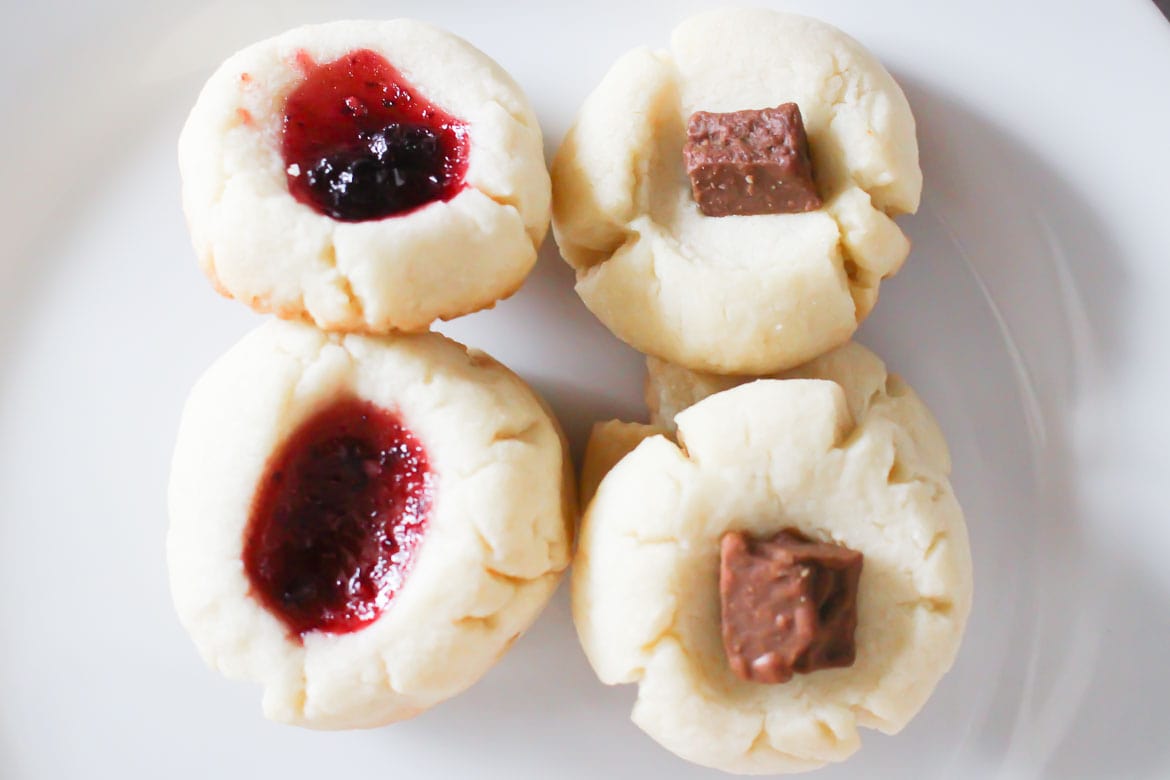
[(339, 513), (360, 144)]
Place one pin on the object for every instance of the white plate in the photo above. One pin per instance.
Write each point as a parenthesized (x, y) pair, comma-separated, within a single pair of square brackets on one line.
[(1029, 316)]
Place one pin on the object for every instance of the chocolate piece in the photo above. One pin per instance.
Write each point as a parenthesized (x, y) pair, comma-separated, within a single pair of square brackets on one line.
[(750, 162), (789, 604)]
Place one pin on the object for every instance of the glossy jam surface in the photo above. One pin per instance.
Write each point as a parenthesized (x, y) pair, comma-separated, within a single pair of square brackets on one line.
[(360, 143), (337, 518)]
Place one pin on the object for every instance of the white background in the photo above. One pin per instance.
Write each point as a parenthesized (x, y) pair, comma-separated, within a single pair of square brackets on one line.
[(1030, 316)]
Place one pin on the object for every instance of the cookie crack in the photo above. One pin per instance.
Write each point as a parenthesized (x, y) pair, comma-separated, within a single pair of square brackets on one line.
[(389, 675), (510, 579), (515, 114), (492, 570), (865, 715), (641, 164), (512, 203), (492, 620), (862, 282), (895, 387), (301, 704), (521, 434), (827, 731), (637, 538), (669, 631), (845, 80), (304, 362), (841, 74), (629, 237), (328, 256), (933, 545), (762, 744), (850, 439), (902, 474), (899, 473), (935, 605), (486, 622)]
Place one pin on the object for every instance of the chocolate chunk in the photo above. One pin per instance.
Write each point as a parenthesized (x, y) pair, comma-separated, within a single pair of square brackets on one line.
[(789, 604), (750, 162)]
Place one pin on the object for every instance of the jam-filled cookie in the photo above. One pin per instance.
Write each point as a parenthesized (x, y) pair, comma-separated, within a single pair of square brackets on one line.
[(727, 203), (363, 524), (794, 567), (364, 176)]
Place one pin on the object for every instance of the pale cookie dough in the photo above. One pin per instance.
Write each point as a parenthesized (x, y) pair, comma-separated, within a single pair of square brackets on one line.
[(852, 458), (499, 531), (739, 294), (261, 246), (608, 443), (669, 389)]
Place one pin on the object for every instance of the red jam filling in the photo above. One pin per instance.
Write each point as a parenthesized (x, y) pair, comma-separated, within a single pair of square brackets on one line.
[(339, 513), (361, 144)]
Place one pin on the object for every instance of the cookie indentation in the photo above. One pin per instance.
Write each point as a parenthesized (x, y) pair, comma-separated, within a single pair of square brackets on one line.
[(337, 519), (361, 144), (789, 605), (750, 162)]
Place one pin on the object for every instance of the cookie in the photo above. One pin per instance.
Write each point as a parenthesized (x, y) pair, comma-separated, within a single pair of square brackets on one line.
[(608, 443), (748, 112), (363, 524), (670, 389), (364, 176), (795, 567)]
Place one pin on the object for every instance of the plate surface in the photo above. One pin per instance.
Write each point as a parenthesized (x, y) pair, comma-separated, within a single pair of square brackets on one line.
[(1030, 317)]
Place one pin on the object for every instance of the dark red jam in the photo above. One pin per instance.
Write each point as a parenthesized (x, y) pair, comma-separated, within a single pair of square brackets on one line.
[(360, 143), (339, 513)]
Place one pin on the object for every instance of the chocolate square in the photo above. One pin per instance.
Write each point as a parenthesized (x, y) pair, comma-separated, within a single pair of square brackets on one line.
[(789, 604), (750, 162)]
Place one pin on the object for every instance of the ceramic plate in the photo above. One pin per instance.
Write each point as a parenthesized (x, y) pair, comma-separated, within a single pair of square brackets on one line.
[(1030, 317)]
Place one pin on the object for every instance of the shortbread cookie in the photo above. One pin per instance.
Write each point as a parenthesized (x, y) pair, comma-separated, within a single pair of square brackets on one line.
[(363, 524), (364, 176), (696, 559), (727, 121)]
